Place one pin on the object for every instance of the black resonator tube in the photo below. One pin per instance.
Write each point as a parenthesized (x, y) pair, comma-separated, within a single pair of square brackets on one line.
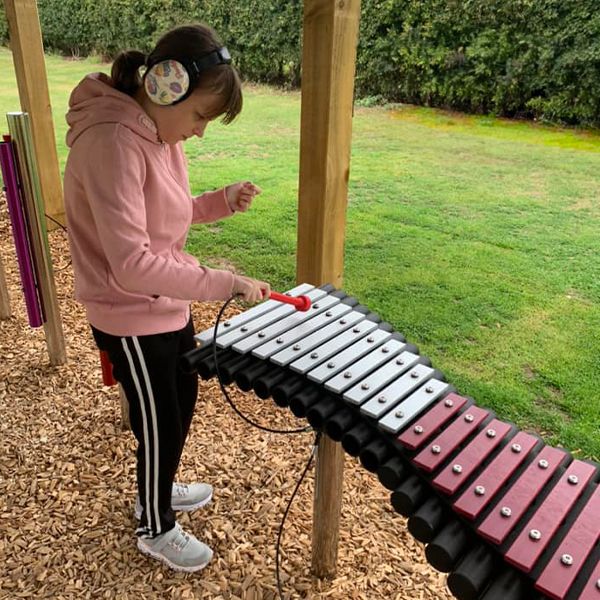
[(356, 438), (245, 377), (392, 473), (338, 423), (473, 573), (408, 496), (189, 361), (283, 391), (317, 414), (374, 454), (448, 546), (302, 400), (427, 520), (509, 585)]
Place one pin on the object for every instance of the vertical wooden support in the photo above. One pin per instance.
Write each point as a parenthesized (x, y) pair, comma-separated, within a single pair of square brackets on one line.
[(328, 67), (4, 298), (125, 422), (30, 68)]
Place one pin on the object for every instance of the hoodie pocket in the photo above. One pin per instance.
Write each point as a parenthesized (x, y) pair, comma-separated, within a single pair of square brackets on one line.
[(124, 295), (164, 304)]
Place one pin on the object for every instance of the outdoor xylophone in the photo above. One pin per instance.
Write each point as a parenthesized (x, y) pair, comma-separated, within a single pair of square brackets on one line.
[(508, 517)]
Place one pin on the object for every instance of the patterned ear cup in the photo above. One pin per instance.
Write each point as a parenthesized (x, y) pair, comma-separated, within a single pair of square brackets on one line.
[(167, 82)]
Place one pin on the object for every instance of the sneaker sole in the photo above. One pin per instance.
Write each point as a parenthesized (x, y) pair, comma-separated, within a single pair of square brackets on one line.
[(190, 507), (182, 508), (163, 559)]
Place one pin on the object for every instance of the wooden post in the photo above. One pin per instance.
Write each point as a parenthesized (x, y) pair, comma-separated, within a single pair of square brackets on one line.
[(125, 422), (328, 66), (30, 69), (4, 297)]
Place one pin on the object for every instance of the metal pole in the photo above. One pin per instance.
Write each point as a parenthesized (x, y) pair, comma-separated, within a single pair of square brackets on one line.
[(20, 131)]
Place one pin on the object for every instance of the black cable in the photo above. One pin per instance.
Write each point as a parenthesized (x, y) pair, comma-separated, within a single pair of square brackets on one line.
[(289, 505), (63, 267), (222, 386), (66, 231), (55, 221), (270, 430)]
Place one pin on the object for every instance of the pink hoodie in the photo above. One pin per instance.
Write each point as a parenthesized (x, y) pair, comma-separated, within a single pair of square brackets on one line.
[(129, 208)]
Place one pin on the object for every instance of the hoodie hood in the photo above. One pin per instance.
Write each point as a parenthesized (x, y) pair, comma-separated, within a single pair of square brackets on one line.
[(95, 101)]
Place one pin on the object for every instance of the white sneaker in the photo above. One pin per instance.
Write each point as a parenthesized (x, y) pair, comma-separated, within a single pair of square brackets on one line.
[(179, 550), (184, 497)]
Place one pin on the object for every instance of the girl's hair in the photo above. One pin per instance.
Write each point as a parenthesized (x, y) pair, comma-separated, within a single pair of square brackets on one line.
[(184, 43)]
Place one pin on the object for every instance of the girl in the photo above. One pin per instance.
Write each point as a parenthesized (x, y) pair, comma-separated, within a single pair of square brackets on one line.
[(129, 209)]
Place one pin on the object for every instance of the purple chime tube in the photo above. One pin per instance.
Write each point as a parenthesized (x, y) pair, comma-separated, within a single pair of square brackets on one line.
[(20, 233)]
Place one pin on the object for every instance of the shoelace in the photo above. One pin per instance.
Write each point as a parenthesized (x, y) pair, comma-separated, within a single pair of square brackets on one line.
[(181, 489), (181, 541)]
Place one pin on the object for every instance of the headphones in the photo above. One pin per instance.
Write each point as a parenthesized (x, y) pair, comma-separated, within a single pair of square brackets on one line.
[(170, 81)]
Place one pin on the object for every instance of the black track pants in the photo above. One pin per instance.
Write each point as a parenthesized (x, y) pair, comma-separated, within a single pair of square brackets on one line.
[(161, 404)]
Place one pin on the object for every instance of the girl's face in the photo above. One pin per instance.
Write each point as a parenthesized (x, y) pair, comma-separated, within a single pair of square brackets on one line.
[(189, 118)]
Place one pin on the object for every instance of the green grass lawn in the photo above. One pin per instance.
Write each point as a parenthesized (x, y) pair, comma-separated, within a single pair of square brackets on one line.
[(478, 238)]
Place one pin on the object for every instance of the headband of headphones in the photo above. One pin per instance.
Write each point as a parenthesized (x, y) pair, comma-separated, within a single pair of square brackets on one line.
[(169, 81)]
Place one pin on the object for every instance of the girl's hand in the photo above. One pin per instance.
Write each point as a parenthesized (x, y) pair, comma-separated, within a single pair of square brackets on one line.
[(240, 195), (251, 290)]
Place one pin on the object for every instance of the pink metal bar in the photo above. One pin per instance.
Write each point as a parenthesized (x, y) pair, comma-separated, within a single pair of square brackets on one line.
[(512, 506), (445, 444), (558, 576), (540, 529), (471, 456), (416, 435), (592, 589), (20, 233), (481, 492)]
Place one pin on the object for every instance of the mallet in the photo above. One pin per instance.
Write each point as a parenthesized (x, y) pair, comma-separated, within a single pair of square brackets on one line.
[(300, 302)]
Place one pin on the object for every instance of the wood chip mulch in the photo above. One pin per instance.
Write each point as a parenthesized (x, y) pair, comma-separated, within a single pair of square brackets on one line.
[(67, 485)]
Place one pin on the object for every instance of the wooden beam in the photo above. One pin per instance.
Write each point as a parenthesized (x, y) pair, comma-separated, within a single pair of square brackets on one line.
[(328, 67), (30, 68), (5, 311)]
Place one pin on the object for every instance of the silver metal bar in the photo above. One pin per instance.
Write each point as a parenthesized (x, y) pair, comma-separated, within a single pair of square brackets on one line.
[(206, 336), (312, 341), (413, 406), (391, 395), (349, 356), (380, 378), (363, 367), (257, 337), (300, 332), (231, 337), (273, 316), (332, 347)]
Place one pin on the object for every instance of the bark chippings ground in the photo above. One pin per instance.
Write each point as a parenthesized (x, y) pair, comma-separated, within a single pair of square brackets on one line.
[(67, 478)]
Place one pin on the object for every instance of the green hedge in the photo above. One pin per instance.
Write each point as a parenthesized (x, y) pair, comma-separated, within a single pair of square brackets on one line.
[(532, 58)]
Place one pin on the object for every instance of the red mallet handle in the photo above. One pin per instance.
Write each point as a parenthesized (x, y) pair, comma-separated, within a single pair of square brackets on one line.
[(300, 302)]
